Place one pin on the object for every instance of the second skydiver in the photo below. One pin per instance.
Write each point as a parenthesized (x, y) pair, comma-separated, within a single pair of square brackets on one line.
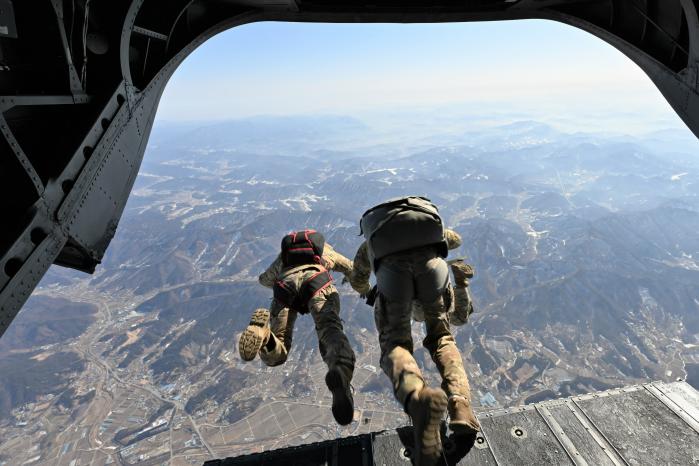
[(301, 282), (405, 247)]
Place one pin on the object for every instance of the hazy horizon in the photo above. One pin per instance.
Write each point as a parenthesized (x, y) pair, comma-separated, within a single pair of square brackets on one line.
[(548, 71)]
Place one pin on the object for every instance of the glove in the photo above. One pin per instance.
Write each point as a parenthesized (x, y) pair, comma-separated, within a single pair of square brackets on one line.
[(462, 271), (363, 289)]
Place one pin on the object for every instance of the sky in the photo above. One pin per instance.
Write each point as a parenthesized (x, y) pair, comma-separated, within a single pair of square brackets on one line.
[(533, 66)]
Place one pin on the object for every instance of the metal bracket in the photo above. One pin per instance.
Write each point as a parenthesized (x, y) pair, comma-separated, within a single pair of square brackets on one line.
[(21, 156), (8, 25), (76, 87), (9, 101), (149, 33)]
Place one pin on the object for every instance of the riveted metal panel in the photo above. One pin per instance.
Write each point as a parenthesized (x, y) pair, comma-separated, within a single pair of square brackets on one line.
[(523, 438), (642, 429), (23, 283), (389, 450), (681, 399), (593, 450)]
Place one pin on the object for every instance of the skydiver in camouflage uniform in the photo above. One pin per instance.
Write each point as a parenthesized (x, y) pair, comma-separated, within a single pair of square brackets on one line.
[(302, 286), (417, 273)]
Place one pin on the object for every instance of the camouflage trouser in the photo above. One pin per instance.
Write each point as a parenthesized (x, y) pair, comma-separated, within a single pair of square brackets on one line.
[(401, 278), (334, 346), (463, 306), (457, 301)]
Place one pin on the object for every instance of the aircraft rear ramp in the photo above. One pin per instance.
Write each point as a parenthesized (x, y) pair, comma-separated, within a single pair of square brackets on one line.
[(651, 424)]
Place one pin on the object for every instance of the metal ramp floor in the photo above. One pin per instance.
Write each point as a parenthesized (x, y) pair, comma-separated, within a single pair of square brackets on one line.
[(651, 424)]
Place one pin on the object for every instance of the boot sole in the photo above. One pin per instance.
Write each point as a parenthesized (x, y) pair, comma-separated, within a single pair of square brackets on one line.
[(462, 428), (433, 409), (251, 340), (455, 269), (343, 405)]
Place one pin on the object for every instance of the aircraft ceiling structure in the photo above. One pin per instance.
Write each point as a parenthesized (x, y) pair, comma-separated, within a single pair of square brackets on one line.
[(80, 82)]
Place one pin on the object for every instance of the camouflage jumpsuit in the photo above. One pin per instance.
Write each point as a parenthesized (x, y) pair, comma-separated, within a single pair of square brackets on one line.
[(325, 309), (420, 275)]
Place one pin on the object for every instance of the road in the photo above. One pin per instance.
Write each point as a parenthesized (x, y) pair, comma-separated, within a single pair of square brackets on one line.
[(103, 402)]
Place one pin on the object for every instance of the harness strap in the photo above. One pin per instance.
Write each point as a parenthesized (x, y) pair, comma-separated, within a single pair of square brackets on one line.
[(314, 285), (298, 299)]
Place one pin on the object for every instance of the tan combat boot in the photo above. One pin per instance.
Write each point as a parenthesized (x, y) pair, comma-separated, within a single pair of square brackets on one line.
[(462, 272), (255, 336), (426, 409), (343, 402), (462, 419)]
